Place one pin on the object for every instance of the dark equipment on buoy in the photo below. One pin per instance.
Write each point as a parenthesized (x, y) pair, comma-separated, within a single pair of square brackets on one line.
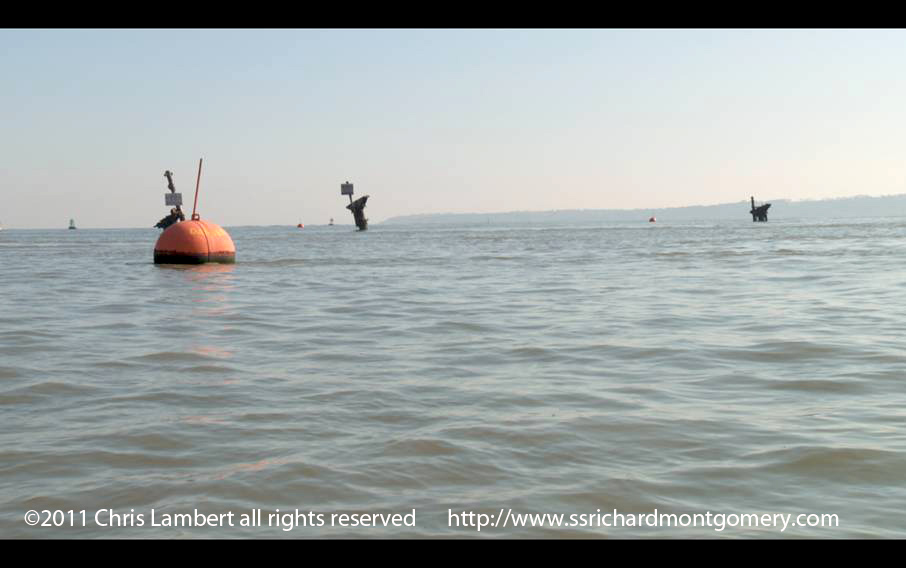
[(175, 216), (357, 207), (194, 241), (760, 213), (171, 198)]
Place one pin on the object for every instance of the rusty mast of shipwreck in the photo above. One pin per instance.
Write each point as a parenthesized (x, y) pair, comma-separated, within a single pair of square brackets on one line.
[(357, 207)]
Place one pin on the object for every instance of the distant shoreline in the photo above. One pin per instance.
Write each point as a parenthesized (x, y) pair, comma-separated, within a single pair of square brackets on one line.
[(842, 207)]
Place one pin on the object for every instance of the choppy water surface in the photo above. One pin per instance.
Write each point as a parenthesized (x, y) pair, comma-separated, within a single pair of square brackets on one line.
[(722, 367)]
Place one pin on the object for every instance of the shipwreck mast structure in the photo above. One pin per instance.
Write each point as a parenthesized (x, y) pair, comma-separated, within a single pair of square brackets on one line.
[(760, 213), (357, 207)]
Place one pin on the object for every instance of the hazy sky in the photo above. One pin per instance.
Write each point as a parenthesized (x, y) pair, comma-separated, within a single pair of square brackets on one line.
[(440, 120)]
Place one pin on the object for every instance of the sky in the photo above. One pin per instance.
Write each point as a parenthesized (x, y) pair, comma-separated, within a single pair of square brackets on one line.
[(440, 121)]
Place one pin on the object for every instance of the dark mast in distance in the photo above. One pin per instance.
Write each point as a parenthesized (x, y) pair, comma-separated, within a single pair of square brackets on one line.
[(760, 213)]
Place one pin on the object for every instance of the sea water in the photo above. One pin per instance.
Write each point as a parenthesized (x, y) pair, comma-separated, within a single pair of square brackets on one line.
[(460, 374)]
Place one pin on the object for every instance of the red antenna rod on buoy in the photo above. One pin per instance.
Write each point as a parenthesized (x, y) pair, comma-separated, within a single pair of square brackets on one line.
[(195, 216)]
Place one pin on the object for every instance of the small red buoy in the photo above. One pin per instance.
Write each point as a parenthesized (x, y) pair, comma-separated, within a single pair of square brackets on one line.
[(194, 242), (652, 220), (300, 225)]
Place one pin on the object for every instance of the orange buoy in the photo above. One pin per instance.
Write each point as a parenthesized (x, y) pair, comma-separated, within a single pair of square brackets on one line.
[(194, 242), (300, 226)]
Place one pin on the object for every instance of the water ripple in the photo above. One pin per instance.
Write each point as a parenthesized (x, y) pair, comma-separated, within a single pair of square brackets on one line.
[(694, 367)]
